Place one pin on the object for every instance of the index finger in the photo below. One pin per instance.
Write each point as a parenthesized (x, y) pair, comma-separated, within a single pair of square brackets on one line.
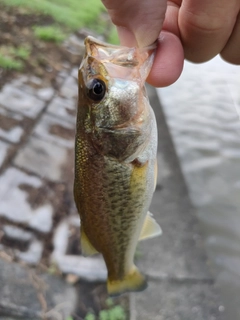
[(139, 22), (205, 26)]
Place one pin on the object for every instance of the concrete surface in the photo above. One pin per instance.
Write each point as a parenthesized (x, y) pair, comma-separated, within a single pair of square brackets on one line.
[(181, 286), (29, 294), (202, 111)]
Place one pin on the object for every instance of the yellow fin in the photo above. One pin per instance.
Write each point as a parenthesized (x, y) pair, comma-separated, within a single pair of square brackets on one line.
[(150, 228), (134, 281), (86, 246)]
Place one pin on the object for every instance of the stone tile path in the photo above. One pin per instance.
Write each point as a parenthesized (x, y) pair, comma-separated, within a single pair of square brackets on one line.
[(35, 147)]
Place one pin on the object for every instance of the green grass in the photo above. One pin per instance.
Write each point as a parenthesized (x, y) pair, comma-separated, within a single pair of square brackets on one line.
[(90, 316), (113, 36), (114, 312), (70, 14), (22, 52), (12, 58), (73, 14), (10, 63), (49, 33)]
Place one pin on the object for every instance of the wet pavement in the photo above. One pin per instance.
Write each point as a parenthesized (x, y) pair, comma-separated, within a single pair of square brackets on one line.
[(202, 111), (181, 285), (37, 130), (37, 213)]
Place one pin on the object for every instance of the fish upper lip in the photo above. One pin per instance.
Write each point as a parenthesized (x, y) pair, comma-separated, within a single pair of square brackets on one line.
[(103, 127), (111, 129), (117, 127)]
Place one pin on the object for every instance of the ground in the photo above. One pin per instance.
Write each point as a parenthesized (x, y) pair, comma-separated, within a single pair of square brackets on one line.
[(42, 66), (45, 61), (45, 58)]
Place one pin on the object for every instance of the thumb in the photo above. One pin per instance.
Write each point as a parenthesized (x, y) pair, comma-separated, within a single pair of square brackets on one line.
[(138, 22)]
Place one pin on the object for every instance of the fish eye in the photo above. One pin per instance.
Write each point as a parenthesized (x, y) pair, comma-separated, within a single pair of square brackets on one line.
[(96, 89)]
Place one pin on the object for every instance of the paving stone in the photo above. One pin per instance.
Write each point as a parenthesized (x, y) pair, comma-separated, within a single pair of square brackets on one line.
[(75, 45), (180, 282), (63, 108), (60, 239), (27, 84), (62, 232), (69, 88), (17, 233), (202, 113), (35, 81), (22, 79), (19, 101), (62, 75), (163, 169), (56, 130), (11, 125), (45, 94), (74, 73), (4, 150), (179, 251), (29, 249), (23, 292), (15, 198), (34, 253), (45, 159), (177, 301), (34, 86), (87, 268)]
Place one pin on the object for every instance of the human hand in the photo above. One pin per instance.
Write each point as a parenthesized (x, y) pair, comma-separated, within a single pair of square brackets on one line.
[(205, 27)]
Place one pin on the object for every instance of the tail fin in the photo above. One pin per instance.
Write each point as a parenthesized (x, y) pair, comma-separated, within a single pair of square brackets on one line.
[(132, 282)]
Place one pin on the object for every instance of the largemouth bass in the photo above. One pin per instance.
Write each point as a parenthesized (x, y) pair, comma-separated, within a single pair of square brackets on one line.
[(115, 164)]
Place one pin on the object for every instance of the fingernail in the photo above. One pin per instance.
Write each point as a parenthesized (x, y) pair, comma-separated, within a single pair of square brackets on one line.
[(143, 39), (126, 37)]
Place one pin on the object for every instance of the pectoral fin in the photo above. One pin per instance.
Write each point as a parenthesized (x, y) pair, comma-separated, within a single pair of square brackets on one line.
[(150, 228), (86, 246)]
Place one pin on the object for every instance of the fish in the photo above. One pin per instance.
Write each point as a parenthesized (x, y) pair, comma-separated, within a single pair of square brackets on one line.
[(115, 159)]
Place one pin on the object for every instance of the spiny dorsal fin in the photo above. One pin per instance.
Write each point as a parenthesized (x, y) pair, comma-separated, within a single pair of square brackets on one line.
[(150, 228), (86, 246)]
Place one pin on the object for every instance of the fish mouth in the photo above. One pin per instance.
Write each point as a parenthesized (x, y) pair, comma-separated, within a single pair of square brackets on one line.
[(117, 128), (123, 126), (112, 129), (108, 129)]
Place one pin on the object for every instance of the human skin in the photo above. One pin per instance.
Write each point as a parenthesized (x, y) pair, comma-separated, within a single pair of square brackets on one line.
[(196, 30)]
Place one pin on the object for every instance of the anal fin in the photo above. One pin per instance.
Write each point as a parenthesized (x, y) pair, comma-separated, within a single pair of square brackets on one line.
[(150, 228), (86, 246)]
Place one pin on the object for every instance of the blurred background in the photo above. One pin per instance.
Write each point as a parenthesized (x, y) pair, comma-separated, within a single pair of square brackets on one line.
[(194, 267)]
